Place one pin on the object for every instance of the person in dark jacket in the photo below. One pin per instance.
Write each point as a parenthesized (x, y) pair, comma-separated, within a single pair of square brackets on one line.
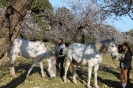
[(125, 65), (60, 47)]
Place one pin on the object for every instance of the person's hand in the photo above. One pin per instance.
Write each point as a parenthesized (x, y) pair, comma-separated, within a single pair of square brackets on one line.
[(56, 54), (55, 57), (117, 59)]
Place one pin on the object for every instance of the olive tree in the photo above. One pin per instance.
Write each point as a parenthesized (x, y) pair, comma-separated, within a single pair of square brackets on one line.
[(10, 23)]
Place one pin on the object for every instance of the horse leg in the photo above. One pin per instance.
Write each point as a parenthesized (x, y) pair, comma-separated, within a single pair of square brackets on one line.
[(33, 64), (66, 69), (95, 75), (74, 73), (89, 76), (12, 60), (41, 66)]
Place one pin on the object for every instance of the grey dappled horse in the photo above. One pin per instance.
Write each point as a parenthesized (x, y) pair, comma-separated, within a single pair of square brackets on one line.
[(34, 50), (90, 55)]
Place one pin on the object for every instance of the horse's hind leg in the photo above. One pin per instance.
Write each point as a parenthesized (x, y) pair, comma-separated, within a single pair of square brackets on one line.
[(66, 69), (12, 60), (41, 66), (74, 73), (95, 75), (32, 66)]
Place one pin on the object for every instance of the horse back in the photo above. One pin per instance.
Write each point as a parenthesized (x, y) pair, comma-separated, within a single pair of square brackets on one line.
[(28, 49), (80, 49), (83, 54)]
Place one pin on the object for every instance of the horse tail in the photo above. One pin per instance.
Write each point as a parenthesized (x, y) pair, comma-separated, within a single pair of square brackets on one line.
[(72, 67)]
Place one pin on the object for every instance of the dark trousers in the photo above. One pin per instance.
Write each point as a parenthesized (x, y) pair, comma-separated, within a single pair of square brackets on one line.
[(60, 61)]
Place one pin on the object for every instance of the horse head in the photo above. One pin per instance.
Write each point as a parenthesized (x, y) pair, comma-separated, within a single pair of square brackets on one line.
[(107, 45), (112, 48), (51, 65)]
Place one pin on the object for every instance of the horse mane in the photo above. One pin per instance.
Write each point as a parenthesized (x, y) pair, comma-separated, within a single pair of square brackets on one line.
[(101, 45), (49, 50)]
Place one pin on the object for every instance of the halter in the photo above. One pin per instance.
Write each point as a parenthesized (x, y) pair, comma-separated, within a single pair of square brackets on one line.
[(112, 55)]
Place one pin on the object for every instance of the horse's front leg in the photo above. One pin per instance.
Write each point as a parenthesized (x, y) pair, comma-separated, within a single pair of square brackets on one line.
[(12, 61), (89, 76), (41, 66), (95, 75), (33, 64)]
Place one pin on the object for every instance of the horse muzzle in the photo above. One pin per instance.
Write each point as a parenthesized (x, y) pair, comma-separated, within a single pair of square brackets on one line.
[(114, 55), (52, 76)]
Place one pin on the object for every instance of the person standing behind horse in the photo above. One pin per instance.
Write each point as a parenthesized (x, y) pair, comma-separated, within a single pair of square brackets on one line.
[(60, 47), (125, 65)]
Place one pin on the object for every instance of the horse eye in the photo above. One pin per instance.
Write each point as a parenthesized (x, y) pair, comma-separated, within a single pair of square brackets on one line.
[(112, 46)]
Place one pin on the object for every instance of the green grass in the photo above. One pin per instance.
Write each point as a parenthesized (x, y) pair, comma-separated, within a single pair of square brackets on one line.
[(108, 76)]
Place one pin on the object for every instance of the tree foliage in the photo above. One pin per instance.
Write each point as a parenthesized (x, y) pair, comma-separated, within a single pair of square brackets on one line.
[(82, 22), (34, 27), (117, 7), (39, 6), (73, 21), (4, 3)]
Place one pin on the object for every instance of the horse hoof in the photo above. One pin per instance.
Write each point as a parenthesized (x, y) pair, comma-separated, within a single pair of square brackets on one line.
[(65, 81), (75, 83), (13, 75), (27, 76), (52, 77), (96, 86), (43, 76), (89, 87)]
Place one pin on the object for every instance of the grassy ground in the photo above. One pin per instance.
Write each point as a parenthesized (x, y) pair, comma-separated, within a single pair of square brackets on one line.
[(108, 76)]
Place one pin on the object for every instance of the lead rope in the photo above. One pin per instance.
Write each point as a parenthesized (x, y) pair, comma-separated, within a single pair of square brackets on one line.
[(115, 63)]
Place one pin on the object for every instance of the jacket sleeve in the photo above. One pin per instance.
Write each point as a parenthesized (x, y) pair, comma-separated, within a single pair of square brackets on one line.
[(127, 58), (55, 50)]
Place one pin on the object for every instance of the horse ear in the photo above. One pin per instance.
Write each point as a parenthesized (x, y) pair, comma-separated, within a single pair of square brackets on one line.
[(98, 46), (113, 39)]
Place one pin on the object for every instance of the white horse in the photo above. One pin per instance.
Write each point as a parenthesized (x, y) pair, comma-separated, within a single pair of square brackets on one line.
[(35, 50), (91, 55)]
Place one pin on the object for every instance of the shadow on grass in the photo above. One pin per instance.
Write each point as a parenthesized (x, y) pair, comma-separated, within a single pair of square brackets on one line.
[(18, 80), (110, 70), (83, 75), (110, 83), (15, 82), (26, 67)]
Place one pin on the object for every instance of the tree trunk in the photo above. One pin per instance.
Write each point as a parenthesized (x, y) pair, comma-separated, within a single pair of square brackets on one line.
[(10, 23)]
